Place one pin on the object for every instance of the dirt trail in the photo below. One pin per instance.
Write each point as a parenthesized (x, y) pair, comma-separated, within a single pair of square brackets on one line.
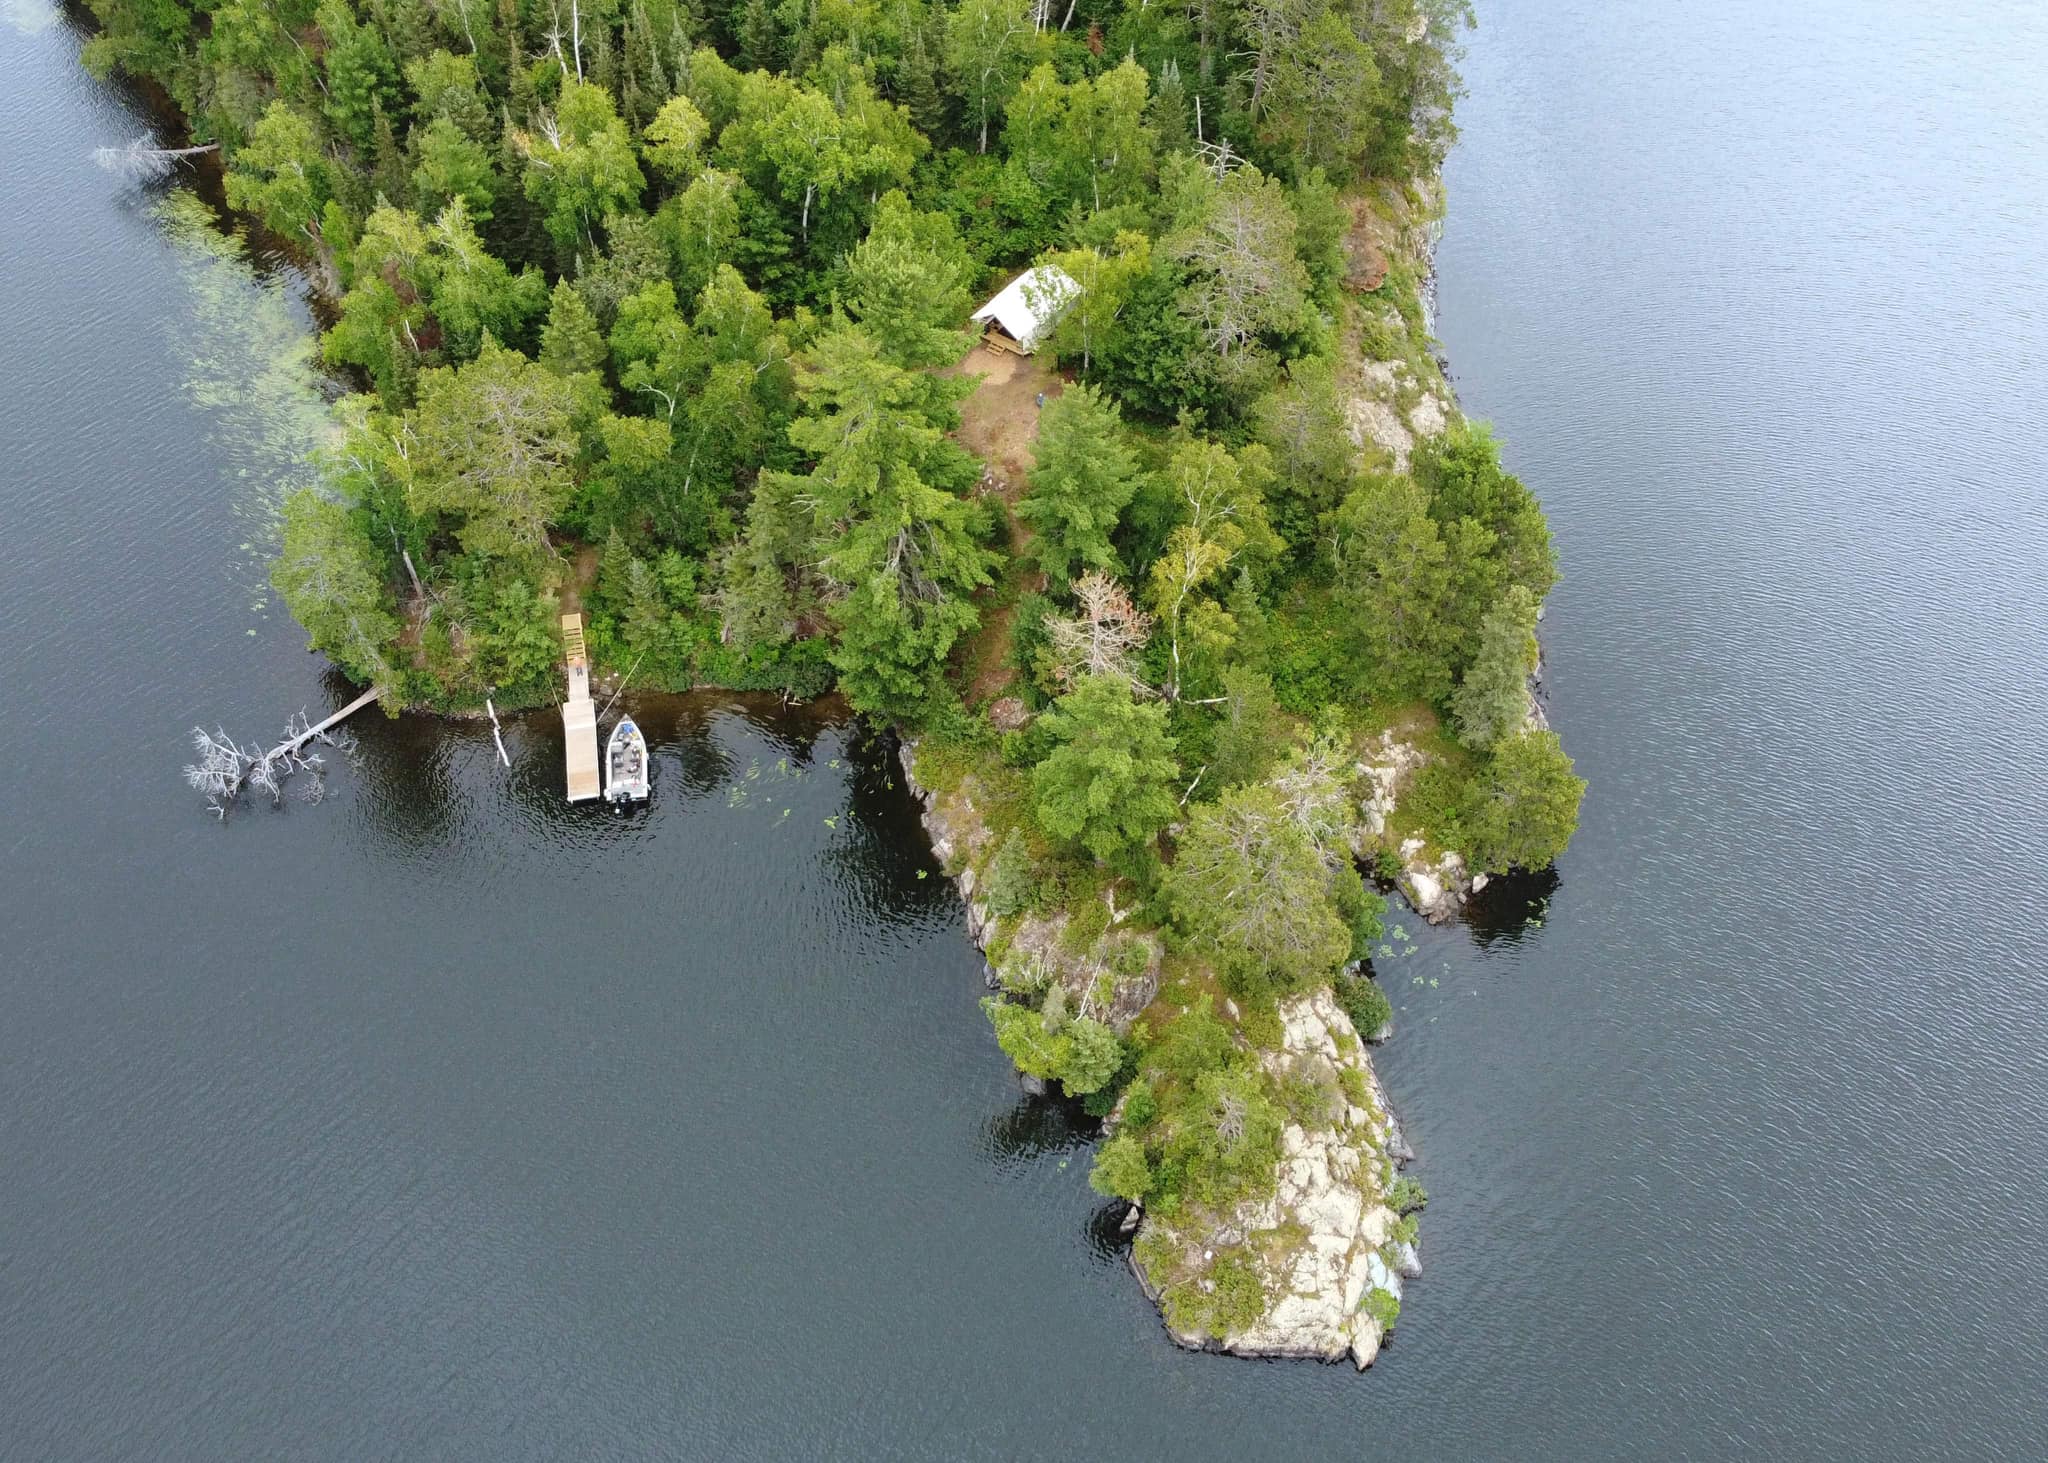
[(999, 424), (582, 574)]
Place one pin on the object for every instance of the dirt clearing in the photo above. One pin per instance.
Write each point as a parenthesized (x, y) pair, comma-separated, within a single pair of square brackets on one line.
[(1000, 421)]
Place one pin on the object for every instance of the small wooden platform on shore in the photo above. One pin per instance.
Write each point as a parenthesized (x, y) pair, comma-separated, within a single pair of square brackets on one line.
[(579, 716)]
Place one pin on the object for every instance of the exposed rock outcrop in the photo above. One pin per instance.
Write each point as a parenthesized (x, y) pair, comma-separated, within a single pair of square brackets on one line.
[(1435, 889), (1324, 1240), (1386, 771), (1111, 977), (1386, 407)]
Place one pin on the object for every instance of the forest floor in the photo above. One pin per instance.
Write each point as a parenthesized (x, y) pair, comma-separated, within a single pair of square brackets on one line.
[(999, 424)]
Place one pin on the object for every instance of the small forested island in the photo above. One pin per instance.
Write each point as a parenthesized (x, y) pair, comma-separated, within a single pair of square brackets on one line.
[(1204, 613)]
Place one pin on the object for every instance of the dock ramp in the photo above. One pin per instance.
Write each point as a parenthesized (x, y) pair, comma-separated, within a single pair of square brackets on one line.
[(579, 716)]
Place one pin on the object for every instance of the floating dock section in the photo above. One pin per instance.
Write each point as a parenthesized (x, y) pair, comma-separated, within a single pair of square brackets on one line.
[(579, 717)]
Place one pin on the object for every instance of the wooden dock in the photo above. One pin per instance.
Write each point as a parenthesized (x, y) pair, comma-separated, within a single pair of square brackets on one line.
[(579, 716)]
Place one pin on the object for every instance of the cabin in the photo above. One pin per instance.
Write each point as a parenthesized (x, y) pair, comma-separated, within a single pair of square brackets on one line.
[(1028, 306)]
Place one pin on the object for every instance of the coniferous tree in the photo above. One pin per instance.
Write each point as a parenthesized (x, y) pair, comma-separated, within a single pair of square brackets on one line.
[(891, 535), (759, 36), (1084, 474), (917, 87), (1107, 784), (1492, 700), (1529, 804), (361, 76), (570, 342)]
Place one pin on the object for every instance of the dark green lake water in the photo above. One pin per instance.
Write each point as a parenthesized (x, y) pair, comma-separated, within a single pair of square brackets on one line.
[(439, 1121)]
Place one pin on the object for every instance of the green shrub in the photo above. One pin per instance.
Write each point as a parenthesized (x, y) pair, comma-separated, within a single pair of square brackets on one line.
[(1129, 957), (1226, 1135), (1437, 801), (1259, 1020), (1027, 1038), (1239, 1299), (1011, 884), (1383, 1306), (1235, 1300), (1026, 747), (1103, 1100), (1360, 908), (1140, 1106), (1364, 1002), (1079, 1053), (1085, 926), (1121, 1169), (1092, 1058), (1405, 1195), (1028, 640), (1192, 1043)]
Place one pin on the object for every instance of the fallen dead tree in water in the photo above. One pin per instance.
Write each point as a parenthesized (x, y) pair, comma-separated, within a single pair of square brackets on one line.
[(143, 161), (224, 767)]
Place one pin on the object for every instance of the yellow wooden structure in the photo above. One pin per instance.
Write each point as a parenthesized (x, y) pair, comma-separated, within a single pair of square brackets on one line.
[(579, 716)]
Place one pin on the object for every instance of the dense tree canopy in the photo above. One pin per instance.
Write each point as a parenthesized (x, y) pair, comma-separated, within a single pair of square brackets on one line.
[(658, 303)]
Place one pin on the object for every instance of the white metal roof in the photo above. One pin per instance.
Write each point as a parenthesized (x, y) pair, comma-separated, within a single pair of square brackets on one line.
[(1029, 304)]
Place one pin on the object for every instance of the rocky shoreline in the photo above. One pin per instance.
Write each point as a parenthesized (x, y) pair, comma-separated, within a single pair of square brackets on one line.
[(1332, 1192), (1329, 1233)]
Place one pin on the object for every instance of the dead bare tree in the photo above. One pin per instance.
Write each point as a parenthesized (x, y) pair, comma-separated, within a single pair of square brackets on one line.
[(1231, 1112), (1103, 638), (223, 767), (142, 161)]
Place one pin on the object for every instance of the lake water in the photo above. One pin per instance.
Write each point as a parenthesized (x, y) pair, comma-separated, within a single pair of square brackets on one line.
[(440, 1121)]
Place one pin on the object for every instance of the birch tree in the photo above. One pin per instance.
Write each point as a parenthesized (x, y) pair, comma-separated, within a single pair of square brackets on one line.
[(1192, 619), (1090, 321), (701, 227), (990, 45), (580, 165), (1106, 125), (334, 584), (281, 175)]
